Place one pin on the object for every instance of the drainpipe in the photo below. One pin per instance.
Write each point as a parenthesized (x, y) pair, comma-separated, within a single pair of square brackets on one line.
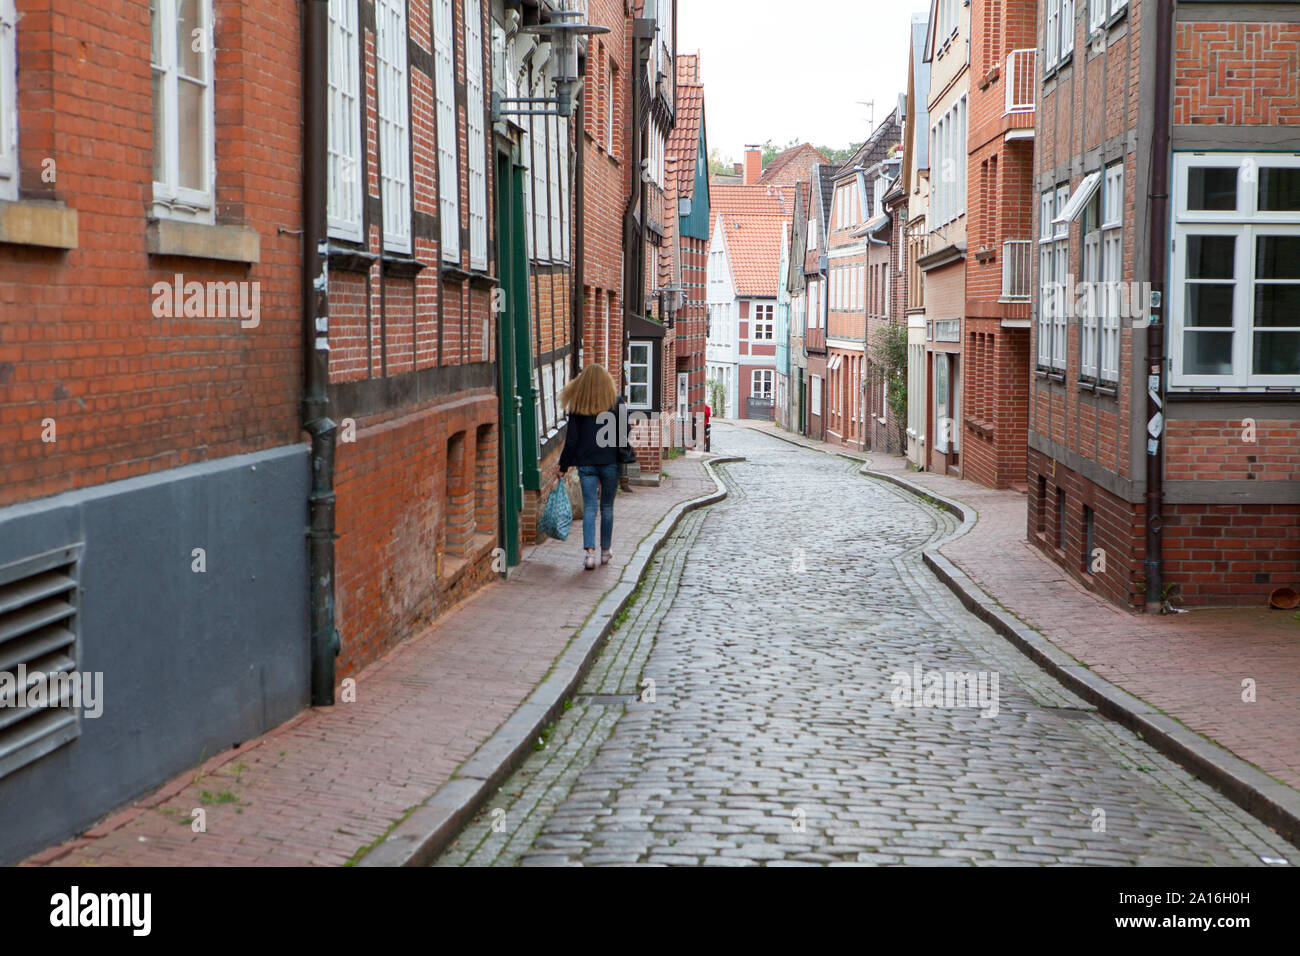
[(325, 642), (579, 178), (1155, 358)]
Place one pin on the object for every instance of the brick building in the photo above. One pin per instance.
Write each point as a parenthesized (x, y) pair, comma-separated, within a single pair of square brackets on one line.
[(1163, 436), (943, 262), (911, 211), (154, 482), (688, 221), (744, 259), (410, 277), (858, 187), (999, 265)]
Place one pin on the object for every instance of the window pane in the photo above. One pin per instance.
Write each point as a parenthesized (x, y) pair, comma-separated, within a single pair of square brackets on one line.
[(640, 374), (1279, 188), (1277, 257), (1209, 305), (1207, 353), (1212, 187), (189, 17), (155, 34), (1277, 353), (1211, 257), (1277, 305), (191, 121), (640, 395), (159, 129)]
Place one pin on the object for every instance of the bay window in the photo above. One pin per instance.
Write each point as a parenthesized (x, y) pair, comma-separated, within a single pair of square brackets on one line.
[(640, 375)]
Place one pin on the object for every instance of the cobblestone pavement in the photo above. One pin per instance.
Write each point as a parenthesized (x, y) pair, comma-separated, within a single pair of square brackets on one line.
[(745, 712)]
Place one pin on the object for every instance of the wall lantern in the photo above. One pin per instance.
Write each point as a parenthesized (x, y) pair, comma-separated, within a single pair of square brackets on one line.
[(562, 31)]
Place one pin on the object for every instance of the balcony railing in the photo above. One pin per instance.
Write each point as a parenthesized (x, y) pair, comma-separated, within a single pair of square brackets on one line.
[(1017, 269), (1021, 79)]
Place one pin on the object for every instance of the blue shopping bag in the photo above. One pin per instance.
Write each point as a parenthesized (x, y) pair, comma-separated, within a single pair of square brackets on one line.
[(557, 516)]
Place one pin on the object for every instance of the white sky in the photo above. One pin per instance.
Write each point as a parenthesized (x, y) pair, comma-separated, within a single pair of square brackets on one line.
[(780, 69)]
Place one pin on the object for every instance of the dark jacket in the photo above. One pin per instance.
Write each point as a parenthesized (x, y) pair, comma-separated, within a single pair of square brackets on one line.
[(581, 444)]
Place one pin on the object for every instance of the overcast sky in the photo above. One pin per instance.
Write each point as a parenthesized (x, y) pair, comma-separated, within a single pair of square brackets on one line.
[(780, 69)]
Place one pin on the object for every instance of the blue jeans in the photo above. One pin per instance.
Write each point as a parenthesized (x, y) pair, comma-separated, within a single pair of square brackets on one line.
[(599, 480)]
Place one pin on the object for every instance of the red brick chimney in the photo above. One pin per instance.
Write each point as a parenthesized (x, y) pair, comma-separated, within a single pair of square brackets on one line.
[(753, 164)]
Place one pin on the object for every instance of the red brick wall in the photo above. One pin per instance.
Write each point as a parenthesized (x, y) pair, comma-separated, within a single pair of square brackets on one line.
[(131, 394), (416, 531), (1237, 73)]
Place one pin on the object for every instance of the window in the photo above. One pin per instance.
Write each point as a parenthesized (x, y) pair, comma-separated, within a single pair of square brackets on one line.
[(1112, 252), (942, 410), (639, 377), (1060, 518), (474, 91), (1100, 10), (1058, 32), (762, 329), (1053, 264), (444, 57), (344, 123), (394, 123), (181, 57), (537, 173), (8, 100), (948, 160), (762, 383), (1235, 271), (815, 398), (611, 123)]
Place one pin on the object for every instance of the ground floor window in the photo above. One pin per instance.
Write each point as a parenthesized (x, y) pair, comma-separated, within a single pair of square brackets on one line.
[(640, 374), (762, 383)]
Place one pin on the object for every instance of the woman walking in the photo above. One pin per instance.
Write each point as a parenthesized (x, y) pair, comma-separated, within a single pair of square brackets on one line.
[(595, 445)]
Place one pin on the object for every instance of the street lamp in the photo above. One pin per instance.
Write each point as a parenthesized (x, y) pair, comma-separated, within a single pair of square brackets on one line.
[(562, 30)]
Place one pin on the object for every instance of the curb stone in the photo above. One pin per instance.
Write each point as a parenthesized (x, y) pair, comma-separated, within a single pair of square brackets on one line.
[(1266, 799), (422, 836)]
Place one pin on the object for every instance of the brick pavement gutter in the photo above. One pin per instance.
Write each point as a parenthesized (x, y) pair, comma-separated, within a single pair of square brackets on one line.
[(1265, 798), (430, 828)]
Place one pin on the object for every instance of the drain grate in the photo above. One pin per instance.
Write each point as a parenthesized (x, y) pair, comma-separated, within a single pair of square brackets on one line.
[(606, 700)]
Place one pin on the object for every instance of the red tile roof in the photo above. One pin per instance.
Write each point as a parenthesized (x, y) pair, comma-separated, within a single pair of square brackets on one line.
[(752, 218), (806, 154), (684, 140)]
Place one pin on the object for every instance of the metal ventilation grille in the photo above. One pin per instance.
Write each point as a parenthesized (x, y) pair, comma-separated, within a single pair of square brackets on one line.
[(38, 638)]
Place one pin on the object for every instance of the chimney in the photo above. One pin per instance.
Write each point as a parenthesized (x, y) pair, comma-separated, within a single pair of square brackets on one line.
[(753, 164), (738, 168)]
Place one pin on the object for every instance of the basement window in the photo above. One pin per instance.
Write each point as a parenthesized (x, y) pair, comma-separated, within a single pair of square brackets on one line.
[(39, 681)]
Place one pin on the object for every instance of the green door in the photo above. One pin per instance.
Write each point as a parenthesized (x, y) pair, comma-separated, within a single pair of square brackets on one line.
[(512, 266)]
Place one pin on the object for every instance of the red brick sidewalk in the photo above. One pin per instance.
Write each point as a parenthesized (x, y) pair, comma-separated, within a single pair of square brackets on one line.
[(1191, 666), (332, 781)]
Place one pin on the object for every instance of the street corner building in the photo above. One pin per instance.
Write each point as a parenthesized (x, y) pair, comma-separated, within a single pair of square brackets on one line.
[(154, 482), (1164, 444)]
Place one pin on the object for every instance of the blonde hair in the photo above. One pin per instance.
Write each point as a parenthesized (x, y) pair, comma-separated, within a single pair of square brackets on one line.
[(591, 393)]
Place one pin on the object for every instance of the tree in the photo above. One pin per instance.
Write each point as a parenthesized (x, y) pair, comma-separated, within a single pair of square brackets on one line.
[(720, 165), (889, 355), (839, 156)]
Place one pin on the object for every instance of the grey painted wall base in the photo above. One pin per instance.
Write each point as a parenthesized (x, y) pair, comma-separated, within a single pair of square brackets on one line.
[(191, 662)]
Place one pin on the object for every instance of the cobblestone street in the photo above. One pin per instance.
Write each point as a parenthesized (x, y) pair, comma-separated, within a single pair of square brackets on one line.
[(744, 712)]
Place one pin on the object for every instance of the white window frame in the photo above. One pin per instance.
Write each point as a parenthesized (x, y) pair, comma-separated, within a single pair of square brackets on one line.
[(1247, 223), (344, 202), (762, 383), (634, 347), (815, 394), (475, 111), (1112, 268), (762, 329), (444, 58), (392, 89), (8, 100), (170, 199), (1053, 245)]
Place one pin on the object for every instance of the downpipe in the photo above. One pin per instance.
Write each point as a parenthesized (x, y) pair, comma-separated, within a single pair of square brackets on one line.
[(325, 640)]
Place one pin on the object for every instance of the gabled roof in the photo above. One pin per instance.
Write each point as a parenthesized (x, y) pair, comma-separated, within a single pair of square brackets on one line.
[(826, 174), (787, 167), (684, 140), (752, 218)]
